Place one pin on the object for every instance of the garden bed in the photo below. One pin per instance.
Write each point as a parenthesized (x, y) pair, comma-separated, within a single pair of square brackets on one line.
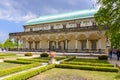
[(5, 65), (73, 74)]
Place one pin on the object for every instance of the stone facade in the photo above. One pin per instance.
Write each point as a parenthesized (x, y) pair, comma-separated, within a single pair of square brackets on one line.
[(77, 35)]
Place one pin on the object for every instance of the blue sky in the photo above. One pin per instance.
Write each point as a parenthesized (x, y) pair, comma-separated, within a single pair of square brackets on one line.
[(14, 13)]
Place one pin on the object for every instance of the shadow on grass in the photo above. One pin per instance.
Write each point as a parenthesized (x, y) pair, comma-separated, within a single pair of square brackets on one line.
[(117, 77)]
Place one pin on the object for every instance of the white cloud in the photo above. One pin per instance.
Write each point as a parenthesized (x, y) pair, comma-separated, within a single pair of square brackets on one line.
[(11, 10), (50, 10)]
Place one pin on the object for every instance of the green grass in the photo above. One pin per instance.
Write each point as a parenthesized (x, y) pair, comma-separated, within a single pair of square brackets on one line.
[(5, 65), (73, 74), (88, 60)]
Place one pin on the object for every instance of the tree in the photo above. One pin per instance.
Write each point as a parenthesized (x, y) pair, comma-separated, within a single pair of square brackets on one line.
[(109, 15), (8, 44), (1, 45)]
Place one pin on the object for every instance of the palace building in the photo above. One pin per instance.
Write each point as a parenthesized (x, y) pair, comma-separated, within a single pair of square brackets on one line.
[(67, 32)]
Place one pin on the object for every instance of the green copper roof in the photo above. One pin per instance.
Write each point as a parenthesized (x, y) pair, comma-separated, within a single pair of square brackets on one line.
[(62, 17)]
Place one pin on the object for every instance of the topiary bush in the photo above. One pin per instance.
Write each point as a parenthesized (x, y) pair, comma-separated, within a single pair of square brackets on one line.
[(44, 54), (28, 54), (103, 57)]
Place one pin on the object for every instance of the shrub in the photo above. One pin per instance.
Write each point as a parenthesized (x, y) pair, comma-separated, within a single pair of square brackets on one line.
[(103, 57), (84, 67), (28, 74), (90, 64), (17, 69), (28, 54), (18, 61), (8, 54), (44, 54), (34, 60)]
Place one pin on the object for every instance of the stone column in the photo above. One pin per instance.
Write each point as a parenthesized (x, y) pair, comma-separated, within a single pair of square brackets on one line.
[(40, 44), (66, 43), (87, 44), (48, 44), (76, 46), (33, 44), (56, 43), (100, 43)]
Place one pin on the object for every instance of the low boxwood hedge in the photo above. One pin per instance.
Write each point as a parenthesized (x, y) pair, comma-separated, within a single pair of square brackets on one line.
[(17, 69), (31, 73), (70, 58), (88, 60), (9, 54), (90, 64), (18, 61), (85, 67), (35, 60)]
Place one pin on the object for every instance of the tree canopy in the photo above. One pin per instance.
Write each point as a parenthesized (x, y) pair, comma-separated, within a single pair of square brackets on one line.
[(109, 15)]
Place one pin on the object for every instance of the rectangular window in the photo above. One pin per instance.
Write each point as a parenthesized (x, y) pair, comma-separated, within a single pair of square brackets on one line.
[(64, 26), (93, 45), (83, 44)]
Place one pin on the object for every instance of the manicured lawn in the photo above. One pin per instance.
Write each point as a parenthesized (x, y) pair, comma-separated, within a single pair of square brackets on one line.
[(4, 65), (73, 74), (88, 60)]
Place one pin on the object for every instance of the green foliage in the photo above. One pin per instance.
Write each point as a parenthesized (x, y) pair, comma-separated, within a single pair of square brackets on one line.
[(85, 67), (44, 54), (70, 58), (102, 57), (28, 54), (109, 15), (89, 64), (17, 69), (18, 61), (115, 40), (9, 54), (8, 43), (28, 74), (35, 60), (88, 60)]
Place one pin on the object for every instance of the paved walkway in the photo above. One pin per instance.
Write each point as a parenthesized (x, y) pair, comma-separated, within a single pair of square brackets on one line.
[(114, 60)]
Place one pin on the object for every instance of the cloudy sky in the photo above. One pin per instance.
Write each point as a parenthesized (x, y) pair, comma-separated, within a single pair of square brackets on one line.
[(14, 13)]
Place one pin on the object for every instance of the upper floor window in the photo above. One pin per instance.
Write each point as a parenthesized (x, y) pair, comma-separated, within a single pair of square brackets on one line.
[(64, 26), (93, 23), (52, 27), (31, 29), (86, 23), (78, 24)]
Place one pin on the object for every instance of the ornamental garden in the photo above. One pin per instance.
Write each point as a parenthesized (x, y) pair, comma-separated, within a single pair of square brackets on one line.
[(31, 67)]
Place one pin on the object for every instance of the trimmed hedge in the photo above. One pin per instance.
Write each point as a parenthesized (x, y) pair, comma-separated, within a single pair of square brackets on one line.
[(31, 73), (9, 54), (102, 57), (85, 67), (90, 64), (87, 60), (35, 60), (44, 54), (71, 58), (28, 54), (17, 69), (18, 61)]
